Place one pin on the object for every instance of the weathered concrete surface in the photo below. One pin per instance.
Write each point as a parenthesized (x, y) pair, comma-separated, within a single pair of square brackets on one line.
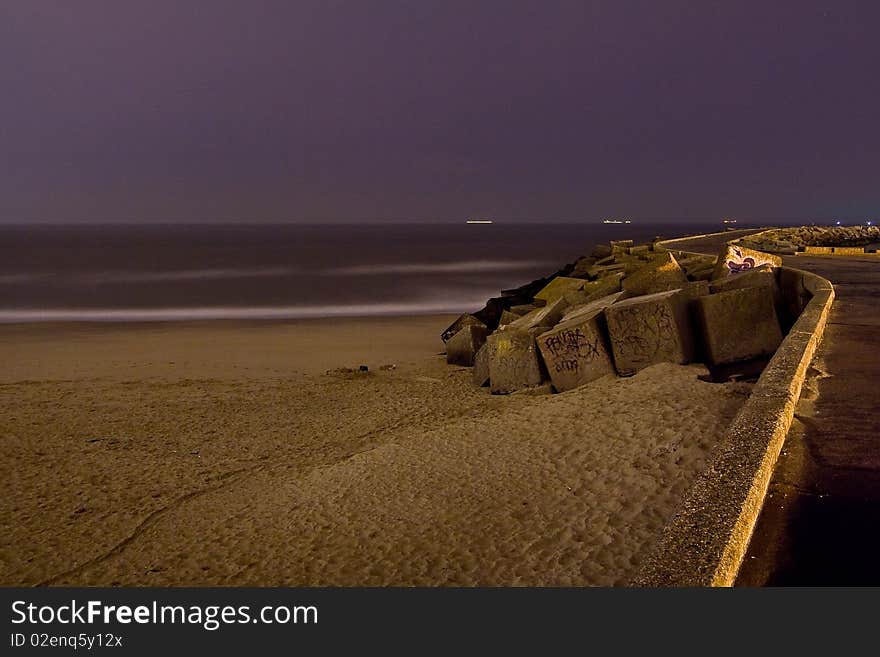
[(705, 542), (463, 346), (693, 290), (601, 251), (760, 276), (513, 361), (818, 250), (599, 271), (464, 320), (523, 309), (821, 522), (734, 259), (649, 329), (481, 366), (548, 315), (576, 351), (602, 287), (660, 274), (599, 304), (849, 250), (559, 286), (739, 324), (507, 317)]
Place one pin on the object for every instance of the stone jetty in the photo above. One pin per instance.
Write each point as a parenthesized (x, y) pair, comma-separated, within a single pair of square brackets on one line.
[(622, 308)]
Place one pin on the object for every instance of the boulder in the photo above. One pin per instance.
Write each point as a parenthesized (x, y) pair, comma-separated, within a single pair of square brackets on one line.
[(513, 361), (661, 274), (465, 320), (739, 324), (650, 329), (558, 286), (463, 346), (734, 259), (481, 366), (576, 351)]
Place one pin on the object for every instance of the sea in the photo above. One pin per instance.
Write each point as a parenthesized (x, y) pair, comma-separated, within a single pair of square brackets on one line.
[(159, 272)]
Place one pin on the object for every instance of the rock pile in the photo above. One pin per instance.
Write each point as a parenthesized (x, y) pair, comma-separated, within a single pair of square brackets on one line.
[(620, 309), (787, 240)]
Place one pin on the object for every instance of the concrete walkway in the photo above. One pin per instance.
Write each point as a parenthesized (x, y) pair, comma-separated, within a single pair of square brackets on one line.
[(820, 524)]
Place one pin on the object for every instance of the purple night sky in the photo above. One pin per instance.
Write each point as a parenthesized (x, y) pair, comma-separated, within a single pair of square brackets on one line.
[(298, 110)]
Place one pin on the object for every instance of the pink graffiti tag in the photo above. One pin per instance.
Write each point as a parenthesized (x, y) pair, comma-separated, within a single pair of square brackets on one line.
[(742, 265)]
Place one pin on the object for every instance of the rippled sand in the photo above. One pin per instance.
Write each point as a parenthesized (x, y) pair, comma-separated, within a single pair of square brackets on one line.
[(224, 454)]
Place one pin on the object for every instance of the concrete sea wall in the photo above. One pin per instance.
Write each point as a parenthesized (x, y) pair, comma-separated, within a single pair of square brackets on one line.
[(704, 543)]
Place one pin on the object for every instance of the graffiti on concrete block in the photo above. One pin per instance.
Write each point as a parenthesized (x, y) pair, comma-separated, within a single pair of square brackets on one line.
[(566, 349)]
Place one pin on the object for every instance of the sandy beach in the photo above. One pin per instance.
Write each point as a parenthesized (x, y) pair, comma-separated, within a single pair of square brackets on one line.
[(230, 453)]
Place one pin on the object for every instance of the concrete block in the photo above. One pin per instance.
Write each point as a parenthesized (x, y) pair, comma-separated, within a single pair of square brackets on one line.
[(575, 297), (739, 324), (558, 286), (763, 275), (507, 317), (650, 329), (585, 308), (660, 274), (849, 250), (621, 243), (735, 259), (818, 250), (695, 289), (463, 346), (513, 361), (458, 324), (547, 316), (523, 309), (601, 251), (582, 267), (603, 286), (642, 249), (607, 270), (576, 352), (481, 366)]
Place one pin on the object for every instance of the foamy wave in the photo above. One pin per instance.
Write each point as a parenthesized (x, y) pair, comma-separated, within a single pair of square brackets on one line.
[(130, 276), (183, 275), (15, 279), (23, 316), (463, 267)]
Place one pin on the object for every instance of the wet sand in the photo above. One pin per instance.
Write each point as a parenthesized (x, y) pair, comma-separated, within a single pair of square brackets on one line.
[(240, 454)]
